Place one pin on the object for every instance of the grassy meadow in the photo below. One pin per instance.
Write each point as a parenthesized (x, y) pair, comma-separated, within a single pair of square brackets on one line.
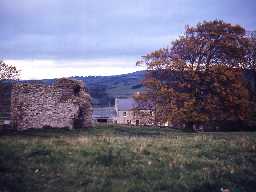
[(127, 160)]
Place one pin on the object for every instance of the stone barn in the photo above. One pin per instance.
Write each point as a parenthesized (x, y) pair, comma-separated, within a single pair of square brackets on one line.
[(65, 104)]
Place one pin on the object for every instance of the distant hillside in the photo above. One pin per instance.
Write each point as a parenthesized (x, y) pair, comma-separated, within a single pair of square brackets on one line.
[(104, 89)]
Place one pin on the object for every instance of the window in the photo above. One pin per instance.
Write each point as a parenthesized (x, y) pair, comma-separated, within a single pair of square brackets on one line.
[(124, 114)]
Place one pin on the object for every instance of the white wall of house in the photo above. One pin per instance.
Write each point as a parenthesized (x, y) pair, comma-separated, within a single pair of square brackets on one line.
[(126, 117)]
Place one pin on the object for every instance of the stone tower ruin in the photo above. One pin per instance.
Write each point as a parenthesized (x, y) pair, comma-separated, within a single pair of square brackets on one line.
[(65, 104)]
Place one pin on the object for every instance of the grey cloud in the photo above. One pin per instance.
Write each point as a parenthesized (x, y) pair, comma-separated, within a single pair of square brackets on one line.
[(77, 29)]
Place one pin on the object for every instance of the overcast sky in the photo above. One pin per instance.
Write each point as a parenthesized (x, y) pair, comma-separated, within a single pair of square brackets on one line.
[(55, 38)]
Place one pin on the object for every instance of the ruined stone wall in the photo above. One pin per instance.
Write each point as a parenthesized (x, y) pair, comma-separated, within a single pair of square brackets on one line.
[(64, 104)]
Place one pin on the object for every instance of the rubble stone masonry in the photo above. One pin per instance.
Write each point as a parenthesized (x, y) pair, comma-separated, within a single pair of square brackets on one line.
[(66, 104)]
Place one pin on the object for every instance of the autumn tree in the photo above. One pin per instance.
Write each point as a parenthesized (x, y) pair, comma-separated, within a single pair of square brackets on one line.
[(8, 72), (200, 76), (149, 101)]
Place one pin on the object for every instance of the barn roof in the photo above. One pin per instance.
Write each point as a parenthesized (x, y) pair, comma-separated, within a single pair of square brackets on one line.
[(103, 112)]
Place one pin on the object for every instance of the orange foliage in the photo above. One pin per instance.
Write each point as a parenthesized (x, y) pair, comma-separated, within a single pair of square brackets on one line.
[(199, 78)]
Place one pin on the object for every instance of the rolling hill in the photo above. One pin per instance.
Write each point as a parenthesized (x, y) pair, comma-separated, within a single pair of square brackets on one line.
[(104, 89)]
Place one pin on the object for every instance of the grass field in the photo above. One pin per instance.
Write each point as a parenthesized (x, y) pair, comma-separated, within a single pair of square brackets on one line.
[(127, 160)]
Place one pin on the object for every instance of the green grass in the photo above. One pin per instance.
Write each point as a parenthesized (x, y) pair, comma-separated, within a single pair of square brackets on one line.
[(127, 159)]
